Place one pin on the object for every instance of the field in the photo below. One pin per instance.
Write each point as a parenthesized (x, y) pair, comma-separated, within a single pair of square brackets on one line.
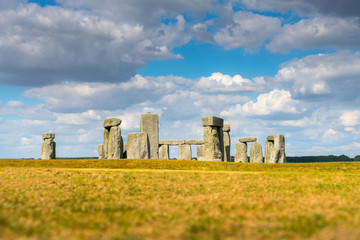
[(167, 199)]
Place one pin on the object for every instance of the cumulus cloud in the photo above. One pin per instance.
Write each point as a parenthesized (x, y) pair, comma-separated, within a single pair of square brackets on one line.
[(323, 76), (275, 102), (247, 30), (318, 32), (350, 118), (219, 82)]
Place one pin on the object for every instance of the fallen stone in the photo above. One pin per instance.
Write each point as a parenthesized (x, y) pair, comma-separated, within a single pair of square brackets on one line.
[(111, 122), (256, 154), (137, 146), (247, 139)]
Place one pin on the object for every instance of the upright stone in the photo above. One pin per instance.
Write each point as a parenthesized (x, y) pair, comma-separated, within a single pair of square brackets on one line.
[(164, 152), (269, 146), (278, 152), (100, 149), (256, 154), (48, 149), (241, 152), (227, 142), (200, 152), (115, 150), (213, 138), (184, 152), (137, 146), (150, 124), (106, 142)]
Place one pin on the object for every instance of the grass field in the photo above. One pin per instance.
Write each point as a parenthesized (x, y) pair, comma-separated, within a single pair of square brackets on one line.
[(167, 199)]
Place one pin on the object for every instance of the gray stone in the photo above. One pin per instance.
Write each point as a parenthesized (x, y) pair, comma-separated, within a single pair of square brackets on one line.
[(269, 146), (164, 152), (213, 140), (106, 142), (111, 122), (185, 152), (200, 152), (241, 153), (256, 153), (100, 149), (48, 148), (179, 142), (226, 128), (212, 121), (115, 144), (270, 138), (150, 124), (137, 146), (227, 143), (124, 149), (247, 139), (278, 152)]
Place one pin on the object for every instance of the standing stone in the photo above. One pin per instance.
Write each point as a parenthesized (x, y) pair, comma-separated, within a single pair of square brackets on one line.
[(269, 146), (278, 152), (164, 152), (124, 149), (213, 138), (256, 154), (106, 142), (200, 152), (48, 149), (185, 152), (149, 124), (115, 150), (227, 142), (241, 152), (100, 149), (137, 146)]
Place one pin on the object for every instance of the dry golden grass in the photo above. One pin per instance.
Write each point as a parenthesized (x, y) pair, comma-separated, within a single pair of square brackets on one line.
[(252, 201)]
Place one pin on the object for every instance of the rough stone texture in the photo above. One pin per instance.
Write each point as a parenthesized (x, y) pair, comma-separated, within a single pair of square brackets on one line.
[(227, 143), (179, 142), (213, 143), (124, 149), (200, 152), (150, 124), (269, 146), (100, 149), (185, 152), (106, 142), (212, 121), (164, 152), (137, 146), (48, 136), (48, 149), (241, 153), (247, 139), (278, 152), (115, 145), (270, 138), (111, 122), (256, 153)]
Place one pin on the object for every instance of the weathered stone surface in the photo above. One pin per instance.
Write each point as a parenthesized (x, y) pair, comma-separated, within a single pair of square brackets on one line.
[(124, 149), (185, 152), (106, 142), (100, 150), (278, 152), (111, 122), (150, 124), (241, 153), (48, 148), (48, 136), (115, 144), (269, 145), (164, 152), (227, 144), (247, 139), (270, 138), (226, 128), (212, 121), (137, 146), (200, 152), (256, 153), (213, 143), (179, 142)]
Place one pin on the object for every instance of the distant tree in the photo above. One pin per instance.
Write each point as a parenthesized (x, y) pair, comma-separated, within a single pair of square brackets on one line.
[(357, 158)]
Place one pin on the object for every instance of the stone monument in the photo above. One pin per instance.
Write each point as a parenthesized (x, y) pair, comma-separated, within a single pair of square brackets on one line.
[(275, 149), (227, 142), (256, 153), (149, 124), (48, 149), (112, 148), (213, 138), (137, 146)]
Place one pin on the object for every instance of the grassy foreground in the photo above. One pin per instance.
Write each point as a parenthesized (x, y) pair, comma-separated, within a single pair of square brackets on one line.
[(164, 199)]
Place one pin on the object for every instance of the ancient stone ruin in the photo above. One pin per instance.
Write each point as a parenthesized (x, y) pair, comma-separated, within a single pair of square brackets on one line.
[(215, 145), (48, 149)]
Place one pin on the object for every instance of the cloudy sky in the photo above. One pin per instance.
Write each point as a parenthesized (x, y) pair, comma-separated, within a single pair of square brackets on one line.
[(288, 67)]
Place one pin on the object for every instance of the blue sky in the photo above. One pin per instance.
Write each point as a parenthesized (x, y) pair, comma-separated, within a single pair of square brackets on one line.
[(265, 66)]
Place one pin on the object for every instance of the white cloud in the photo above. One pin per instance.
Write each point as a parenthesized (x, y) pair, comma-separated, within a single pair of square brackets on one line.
[(14, 104), (219, 82), (318, 32), (247, 30), (331, 76), (77, 118), (275, 102), (350, 118)]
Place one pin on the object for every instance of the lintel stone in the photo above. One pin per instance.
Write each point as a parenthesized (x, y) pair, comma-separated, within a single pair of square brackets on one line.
[(270, 138), (212, 121), (111, 122), (247, 139), (226, 128), (48, 136)]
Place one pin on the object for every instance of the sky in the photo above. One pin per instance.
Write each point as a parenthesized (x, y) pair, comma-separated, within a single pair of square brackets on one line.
[(266, 67)]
